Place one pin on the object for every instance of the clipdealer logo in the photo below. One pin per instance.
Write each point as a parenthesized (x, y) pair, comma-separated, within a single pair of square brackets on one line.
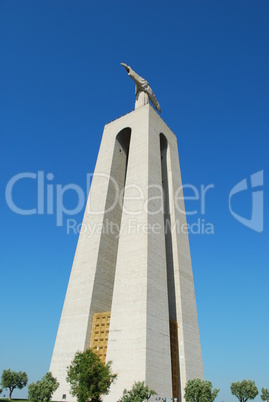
[(256, 182), (51, 200)]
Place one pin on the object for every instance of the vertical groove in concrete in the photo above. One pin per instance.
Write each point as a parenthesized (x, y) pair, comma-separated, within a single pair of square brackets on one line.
[(164, 147), (108, 248)]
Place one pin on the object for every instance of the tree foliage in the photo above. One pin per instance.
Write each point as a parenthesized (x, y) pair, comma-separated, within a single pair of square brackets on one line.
[(13, 379), (244, 390), (265, 394), (42, 390), (89, 377), (198, 390), (139, 393)]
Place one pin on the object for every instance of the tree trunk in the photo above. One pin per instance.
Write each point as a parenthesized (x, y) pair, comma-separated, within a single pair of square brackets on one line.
[(10, 392)]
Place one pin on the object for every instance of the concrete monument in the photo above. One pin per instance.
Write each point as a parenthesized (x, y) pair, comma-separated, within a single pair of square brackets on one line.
[(130, 295)]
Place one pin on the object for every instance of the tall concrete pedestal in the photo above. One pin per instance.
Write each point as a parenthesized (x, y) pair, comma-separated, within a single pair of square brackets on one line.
[(131, 295)]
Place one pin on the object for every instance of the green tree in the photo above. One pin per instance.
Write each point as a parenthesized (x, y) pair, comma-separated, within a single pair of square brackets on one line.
[(13, 379), (42, 390), (244, 390), (265, 394), (197, 390), (89, 377), (139, 393), (1, 391)]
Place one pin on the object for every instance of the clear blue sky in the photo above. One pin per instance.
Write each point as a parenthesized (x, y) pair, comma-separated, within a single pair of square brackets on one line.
[(61, 82)]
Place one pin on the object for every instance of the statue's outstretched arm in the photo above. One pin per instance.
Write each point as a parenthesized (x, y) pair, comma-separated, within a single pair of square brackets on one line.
[(142, 85)]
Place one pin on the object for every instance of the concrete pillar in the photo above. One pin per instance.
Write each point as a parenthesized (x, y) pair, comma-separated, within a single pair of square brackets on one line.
[(141, 270)]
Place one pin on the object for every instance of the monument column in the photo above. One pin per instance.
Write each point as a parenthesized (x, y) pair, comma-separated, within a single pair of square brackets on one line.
[(131, 294), (139, 339)]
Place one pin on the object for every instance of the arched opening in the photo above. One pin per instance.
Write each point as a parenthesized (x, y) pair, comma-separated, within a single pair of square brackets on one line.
[(123, 142), (108, 246), (164, 148)]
